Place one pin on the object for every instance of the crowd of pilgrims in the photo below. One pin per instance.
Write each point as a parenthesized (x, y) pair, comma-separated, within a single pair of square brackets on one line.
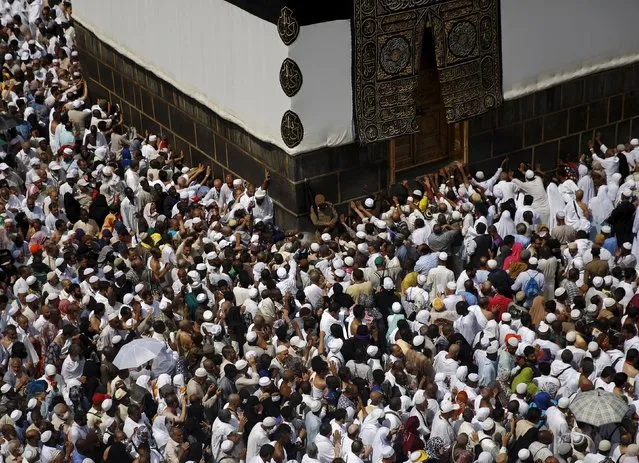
[(455, 317)]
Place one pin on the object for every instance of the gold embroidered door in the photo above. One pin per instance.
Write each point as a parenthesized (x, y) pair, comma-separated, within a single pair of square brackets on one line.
[(436, 142)]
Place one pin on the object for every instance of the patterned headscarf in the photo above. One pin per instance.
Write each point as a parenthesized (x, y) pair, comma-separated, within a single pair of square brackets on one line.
[(434, 447)]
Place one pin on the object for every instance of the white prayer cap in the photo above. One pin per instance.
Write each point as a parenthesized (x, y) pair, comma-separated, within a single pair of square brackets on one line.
[(443, 256), (523, 454), (200, 373), (571, 336), (609, 302), (575, 314), (269, 422), (561, 215), (513, 341), (506, 317), (32, 298), (522, 388), (363, 248), (627, 193), (361, 235), (31, 280), (543, 328), (184, 194), (339, 273), (237, 182), (627, 245), (418, 340), (326, 237), (200, 267), (606, 229), (447, 406), (127, 299), (369, 203), (139, 288), (59, 261), (216, 330), (489, 423), (227, 446), (397, 307), (634, 142), (6, 387), (282, 348), (153, 138), (591, 309), (593, 346), (116, 339), (93, 279), (530, 174), (608, 280), (8, 57), (112, 316), (281, 273), (473, 377), (373, 350), (348, 261), (201, 298), (492, 264), (422, 316), (419, 397), (533, 261), (604, 445), (597, 282), (251, 336), (451, 285), (46, 437), (50, 370), (253, 293), (208, 315), (621, 147), (380, 224), (550, 318), (387, 451), (388, 284), (417, 193), (33, 403), (456, 215), (106, 405), (265, 381), (479, 175), (240, 364), (492, 349), (421, 280), (560, 292), (16, 415)]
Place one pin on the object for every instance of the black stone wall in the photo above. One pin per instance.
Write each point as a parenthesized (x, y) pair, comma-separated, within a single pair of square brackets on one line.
[(342, 174), (557, 123)]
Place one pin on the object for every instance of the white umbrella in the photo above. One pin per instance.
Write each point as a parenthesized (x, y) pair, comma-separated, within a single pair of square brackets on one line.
[(137, 352)]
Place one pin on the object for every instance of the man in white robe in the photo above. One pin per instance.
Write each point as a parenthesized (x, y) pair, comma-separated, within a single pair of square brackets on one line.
[(129, 211), (439, 277), (534, 186)]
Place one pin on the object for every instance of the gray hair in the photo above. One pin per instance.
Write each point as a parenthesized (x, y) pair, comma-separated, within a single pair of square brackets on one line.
[(311, 450)]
